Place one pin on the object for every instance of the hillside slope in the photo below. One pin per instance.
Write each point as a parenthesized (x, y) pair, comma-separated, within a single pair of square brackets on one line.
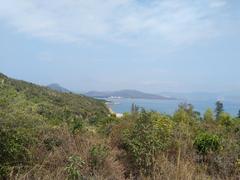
[(23, 100), (45, 134), (35, 120)]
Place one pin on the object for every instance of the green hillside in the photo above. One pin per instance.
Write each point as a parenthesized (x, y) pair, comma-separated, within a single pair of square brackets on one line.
[(22, 100), (30, 115), (45, 134)]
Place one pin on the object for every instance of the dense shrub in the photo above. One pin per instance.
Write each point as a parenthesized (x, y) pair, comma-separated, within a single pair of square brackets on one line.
[(208, 116), (52, 142), (45, 134), (206, 143), (97, 156), (76, 125), (75, 163), (225, 119), (28, 112), (105, 124), (149, 135), (14, 149)]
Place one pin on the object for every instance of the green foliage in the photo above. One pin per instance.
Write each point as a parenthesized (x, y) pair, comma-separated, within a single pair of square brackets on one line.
[(225, 119), (38, 102), (26, 110), (94, 120), (14, 146), (186, 114), (206, 143), (208, 116), (98, 154), (149, 135), (52, 142), (35, 120), (75, 163), (105, 124), (219, 109), (76, 125)]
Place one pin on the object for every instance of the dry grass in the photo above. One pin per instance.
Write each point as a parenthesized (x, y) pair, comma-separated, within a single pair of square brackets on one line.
[(51, 164), (177, 164)]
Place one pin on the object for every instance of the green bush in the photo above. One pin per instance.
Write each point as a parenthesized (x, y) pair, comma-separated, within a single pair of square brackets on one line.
[(206, 143), (225, 119), (14, 149), (208, 116), (105, 124), (76, 125), (93, 120), (98, 154), (52, 142), (75, 163), (186, 114), (149, 135)]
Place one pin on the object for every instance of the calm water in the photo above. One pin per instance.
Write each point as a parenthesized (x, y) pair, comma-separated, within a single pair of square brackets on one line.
[(169, 106)]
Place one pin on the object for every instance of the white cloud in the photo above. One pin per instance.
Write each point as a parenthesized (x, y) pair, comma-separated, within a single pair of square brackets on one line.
[(174, 21)]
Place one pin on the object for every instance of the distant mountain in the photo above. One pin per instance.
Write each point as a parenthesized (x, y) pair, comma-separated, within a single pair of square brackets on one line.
[(126, 94), (58, 88)]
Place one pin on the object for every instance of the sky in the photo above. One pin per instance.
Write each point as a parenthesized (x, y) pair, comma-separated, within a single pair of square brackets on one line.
[(149, 45)]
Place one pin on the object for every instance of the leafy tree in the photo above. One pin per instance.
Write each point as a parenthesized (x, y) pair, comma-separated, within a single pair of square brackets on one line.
[(219, 109), (208, 116), (239, 114), (186, 114)]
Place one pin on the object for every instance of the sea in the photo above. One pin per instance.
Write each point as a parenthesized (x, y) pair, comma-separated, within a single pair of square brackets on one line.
[(122, 105)]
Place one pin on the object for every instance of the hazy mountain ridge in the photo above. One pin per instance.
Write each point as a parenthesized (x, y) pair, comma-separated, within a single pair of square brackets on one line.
[(58, 88), (126, 94)]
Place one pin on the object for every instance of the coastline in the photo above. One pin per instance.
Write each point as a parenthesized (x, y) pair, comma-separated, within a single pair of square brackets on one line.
[(118, 115)]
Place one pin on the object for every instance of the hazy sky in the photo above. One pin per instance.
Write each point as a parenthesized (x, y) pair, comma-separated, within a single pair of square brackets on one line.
[(150, 45)]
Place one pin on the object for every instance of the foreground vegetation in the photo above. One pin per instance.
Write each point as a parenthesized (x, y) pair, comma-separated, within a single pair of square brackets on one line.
[(49, 135)]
